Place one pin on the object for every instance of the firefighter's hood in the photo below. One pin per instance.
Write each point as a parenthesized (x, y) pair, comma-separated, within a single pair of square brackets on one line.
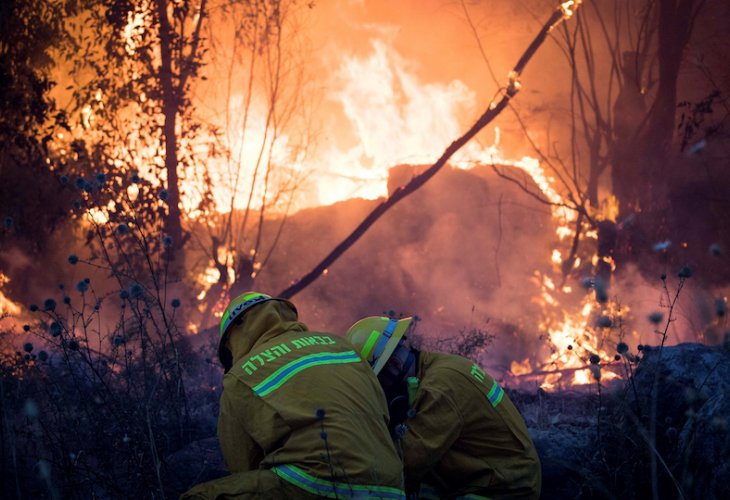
[(261, 324)]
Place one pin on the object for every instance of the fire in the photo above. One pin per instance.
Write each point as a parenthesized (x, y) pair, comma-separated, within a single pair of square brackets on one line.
[(392, 116), (569, 8), (135, 29), (523, 368), (7, 306), (395, 118), (389, 115), (573, 338), (606, 258)]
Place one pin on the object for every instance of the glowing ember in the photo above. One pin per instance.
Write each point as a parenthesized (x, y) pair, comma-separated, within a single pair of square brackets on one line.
[(522, 368), (134, 30), (7, 306), (574, 338), (557, 258), (97, 216), (569, 8), (514, 82)]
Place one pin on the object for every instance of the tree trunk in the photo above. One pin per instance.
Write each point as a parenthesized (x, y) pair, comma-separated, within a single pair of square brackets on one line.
[(643, 144), (674, 32), (171, 108), (628, 148), (173, 224)]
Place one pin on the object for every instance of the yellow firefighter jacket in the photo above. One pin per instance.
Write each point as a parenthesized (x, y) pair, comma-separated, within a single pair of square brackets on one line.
[(466, 437), (304, 406)]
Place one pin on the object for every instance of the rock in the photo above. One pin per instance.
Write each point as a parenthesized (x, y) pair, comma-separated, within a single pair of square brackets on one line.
[(690, 385), (587, 454), (563, 427)]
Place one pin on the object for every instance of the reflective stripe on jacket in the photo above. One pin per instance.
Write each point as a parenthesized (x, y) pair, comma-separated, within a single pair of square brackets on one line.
[(329, 489)]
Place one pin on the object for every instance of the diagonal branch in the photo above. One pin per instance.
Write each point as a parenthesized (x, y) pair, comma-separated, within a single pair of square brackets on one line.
[(564, 11)]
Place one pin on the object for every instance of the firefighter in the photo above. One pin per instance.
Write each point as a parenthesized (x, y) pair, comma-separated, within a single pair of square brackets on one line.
[(301, 414), (460, 435)]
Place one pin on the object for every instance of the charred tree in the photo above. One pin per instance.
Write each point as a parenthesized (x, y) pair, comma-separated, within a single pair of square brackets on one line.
[(180, 59), (263, 66), (644, 140)]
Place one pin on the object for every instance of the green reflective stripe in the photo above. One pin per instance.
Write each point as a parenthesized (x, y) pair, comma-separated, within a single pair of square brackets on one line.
[(280, 376), (499, 397), (472, 496), (412, 383), (329, 489), (224, 322), (495, 394), (368, 347)]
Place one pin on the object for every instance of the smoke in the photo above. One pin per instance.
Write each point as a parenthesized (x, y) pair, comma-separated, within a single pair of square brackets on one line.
[(697, 315), (461, 254)]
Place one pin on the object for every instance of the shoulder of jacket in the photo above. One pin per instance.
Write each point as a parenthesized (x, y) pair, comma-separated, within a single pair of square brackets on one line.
[(440, 385), (446, 363), (233, 382), (452, 372)]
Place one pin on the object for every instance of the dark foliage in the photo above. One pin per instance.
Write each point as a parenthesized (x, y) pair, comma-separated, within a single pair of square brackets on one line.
[(31, 197)]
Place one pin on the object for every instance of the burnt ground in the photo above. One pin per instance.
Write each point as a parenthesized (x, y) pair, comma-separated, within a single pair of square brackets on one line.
[(663, 433)]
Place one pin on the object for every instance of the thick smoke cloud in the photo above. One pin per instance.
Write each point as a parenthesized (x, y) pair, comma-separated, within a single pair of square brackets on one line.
[(460, 253)]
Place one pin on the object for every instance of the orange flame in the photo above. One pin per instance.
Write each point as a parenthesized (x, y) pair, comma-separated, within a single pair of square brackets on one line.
[(391, 117), (573, 338), (523, 368), (569, 8), (7, 306)]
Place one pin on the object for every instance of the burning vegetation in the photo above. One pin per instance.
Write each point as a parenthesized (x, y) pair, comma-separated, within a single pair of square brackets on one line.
[(543, 186)]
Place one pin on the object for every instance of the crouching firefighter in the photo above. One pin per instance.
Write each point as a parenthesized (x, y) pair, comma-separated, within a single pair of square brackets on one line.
[(301, 414), (460, 435)]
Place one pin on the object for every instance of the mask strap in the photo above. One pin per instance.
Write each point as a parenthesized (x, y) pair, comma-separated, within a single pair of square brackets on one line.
[(387, 334)]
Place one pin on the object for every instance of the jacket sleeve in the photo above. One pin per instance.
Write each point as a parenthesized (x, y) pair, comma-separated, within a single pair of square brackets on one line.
[(431, 432), (240, 451)]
